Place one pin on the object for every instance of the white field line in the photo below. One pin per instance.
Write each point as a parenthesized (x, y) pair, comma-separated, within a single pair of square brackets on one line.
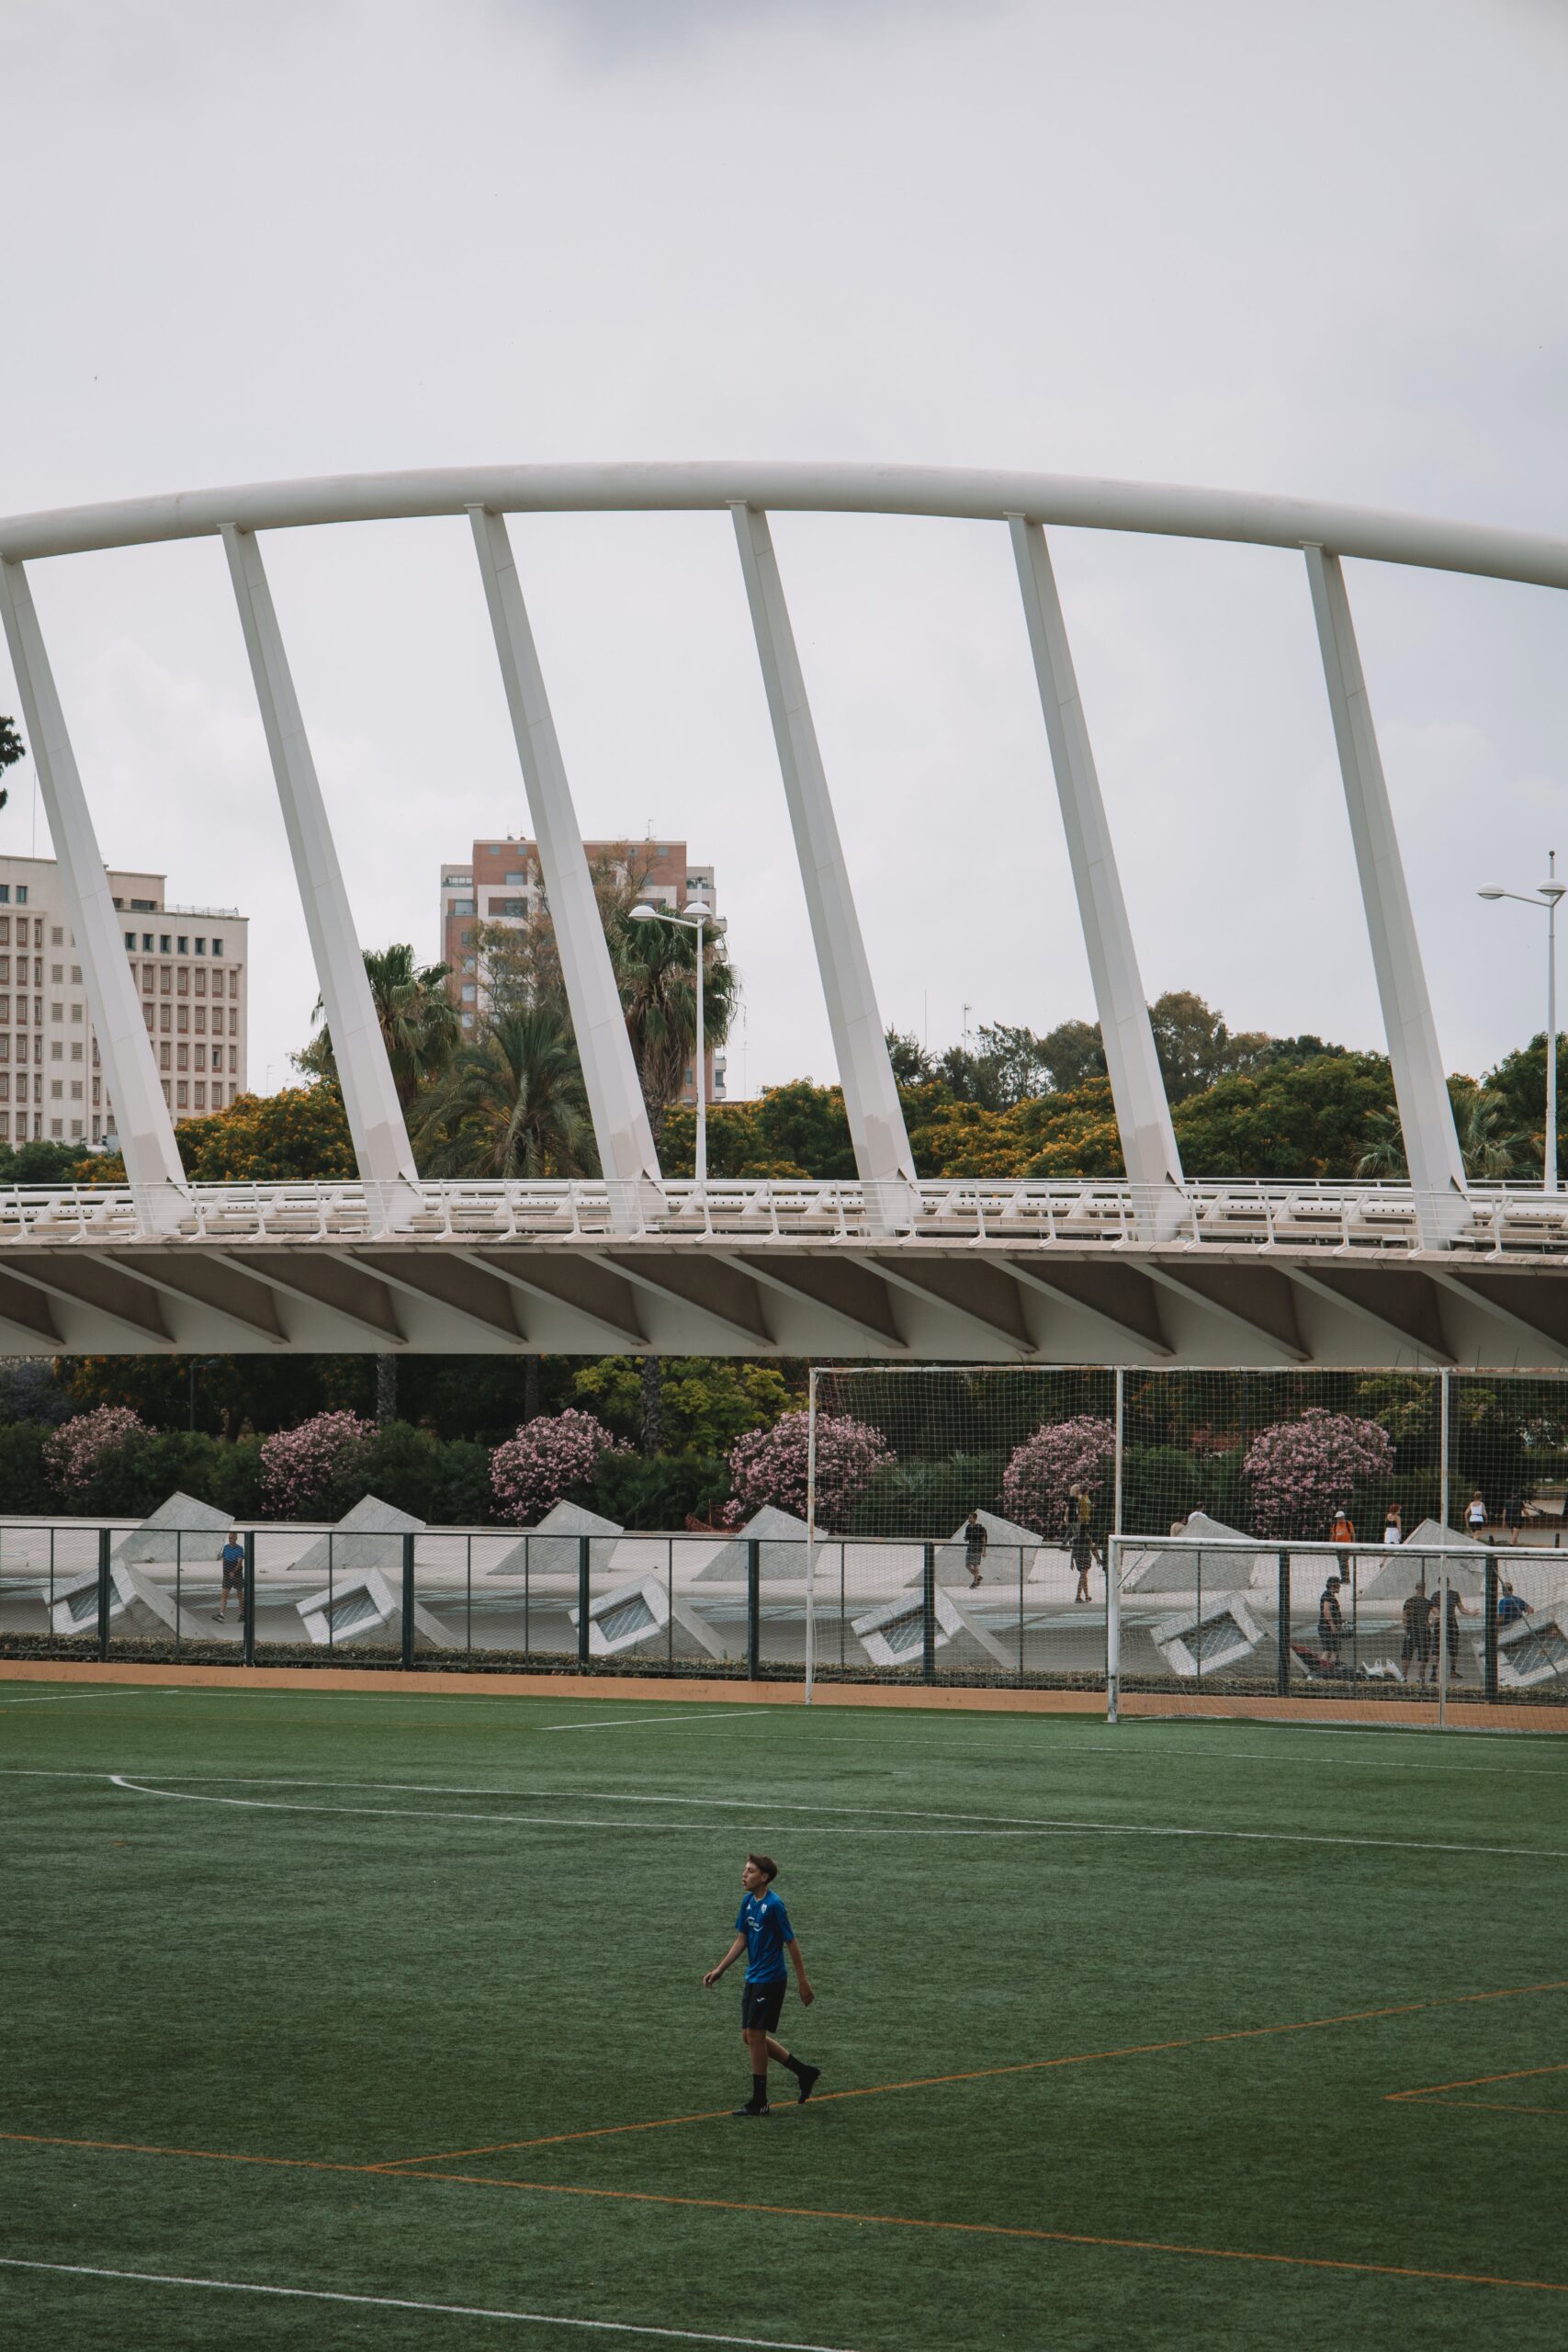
[(999, 1826), (74, 1698), (405, 2303)]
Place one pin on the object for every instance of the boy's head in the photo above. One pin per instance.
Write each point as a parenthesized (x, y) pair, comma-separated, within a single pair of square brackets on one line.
[(759, 1873)]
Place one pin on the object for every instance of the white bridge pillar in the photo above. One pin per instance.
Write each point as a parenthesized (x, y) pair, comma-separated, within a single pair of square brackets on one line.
[(883, 1156), (125, 1049), (1426, 1114), (615, 1102), (381, 1146), (1137, 1090)]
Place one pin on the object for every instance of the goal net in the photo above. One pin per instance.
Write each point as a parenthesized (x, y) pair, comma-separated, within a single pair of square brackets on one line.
[(1181, 1541)]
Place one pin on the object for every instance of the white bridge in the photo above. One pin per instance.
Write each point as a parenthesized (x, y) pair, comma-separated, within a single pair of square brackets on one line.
[(1156, 1270)]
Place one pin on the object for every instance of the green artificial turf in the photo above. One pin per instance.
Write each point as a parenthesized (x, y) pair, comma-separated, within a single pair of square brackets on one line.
[(498, 1949)]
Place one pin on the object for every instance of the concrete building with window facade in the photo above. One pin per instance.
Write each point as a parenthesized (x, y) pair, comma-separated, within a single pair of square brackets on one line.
[(502, 883), (191, 968)]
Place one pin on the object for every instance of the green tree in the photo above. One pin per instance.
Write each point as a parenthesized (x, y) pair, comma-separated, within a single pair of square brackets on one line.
[(512, 1103), (1313, 1118), (708, 1402), (656, 971), (12, 748), (418, 1022), (1519, 1083)]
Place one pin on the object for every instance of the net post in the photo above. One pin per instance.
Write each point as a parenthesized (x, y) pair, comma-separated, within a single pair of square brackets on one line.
[(753, 1609), (408, 1601), (1443, 1446), (1121, 1433), (584, 1599), (928, 1614), (1112, 1627), (1443, 1646), (248, 1599), (1490, 1639), (105, 1536), (811, 1537), (1282, 1659)]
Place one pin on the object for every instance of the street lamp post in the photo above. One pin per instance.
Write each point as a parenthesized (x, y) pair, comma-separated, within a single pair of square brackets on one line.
[(1547, 896), (697, 915)]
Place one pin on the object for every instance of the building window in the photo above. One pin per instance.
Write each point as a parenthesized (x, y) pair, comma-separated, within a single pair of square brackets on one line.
[(95, 1136), (165, 1022), (233, 1063), (162, 1057), (56, 1126), (75, 976), (201, 984), (56, 1090), (75, 1049), (182, 1017), (4, 1124), (4, 928), (233, 1022), (144, 907), (166, 979), (57, 937), (464, 907), (470, 992), (146, 943), (201, 946), (165, 1090), (4, 894), (233, 984), (56, 1050), (147, 1015), (183, 944), (200, 1095), (163, 943), (182, 981), (57, 1013), (218, 947), (182, 1092), (147, 977), (76, 1127), (182, 1057), (57, 972), (76, 1089), (130, 942), (76, 1012)]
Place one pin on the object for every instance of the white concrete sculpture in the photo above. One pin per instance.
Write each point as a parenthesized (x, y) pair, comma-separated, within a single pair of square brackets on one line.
[(369, 1536), (552, 1549), (138, 1604), (1428, 1552), (364, 1607), (635, 1616), (180, 1532), (1213, 1644), (1005, 1542), (1207, 1550), (1534, 1651)]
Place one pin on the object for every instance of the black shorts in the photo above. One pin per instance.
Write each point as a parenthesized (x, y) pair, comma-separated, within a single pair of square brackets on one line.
[(234, 1578), (762, 2006)]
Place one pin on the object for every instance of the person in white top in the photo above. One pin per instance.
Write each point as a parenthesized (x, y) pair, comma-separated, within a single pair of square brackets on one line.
[(1393, 1532), (1475, 1513)]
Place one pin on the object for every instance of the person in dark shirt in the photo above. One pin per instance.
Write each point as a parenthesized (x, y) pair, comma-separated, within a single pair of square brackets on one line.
[(1436, 1631), (763, 1933), (975, 1543), (1330, 1623), (1414, 1615)]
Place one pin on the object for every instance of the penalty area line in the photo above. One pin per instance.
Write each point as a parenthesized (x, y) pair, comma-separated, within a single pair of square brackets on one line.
[(407, 2304)]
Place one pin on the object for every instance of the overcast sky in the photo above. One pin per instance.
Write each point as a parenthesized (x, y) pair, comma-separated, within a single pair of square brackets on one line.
[(1317, 249)]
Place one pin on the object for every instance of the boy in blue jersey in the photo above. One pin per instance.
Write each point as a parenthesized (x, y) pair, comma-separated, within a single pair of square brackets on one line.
[(763, 1933)]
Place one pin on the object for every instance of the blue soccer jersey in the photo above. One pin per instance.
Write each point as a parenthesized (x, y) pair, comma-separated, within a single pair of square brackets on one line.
[(764, 1923)]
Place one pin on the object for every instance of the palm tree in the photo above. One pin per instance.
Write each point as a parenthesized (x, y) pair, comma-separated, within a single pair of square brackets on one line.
[(418, 1022), (1485, 1153), (656, 969), (512, 1103)]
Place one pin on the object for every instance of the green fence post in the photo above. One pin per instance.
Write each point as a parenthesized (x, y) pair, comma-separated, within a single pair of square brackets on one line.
[(753, 1609), (408, 1601), (248, 1612), (104, 1539), (585, 1595), (1282, 1665), (928, 1616)]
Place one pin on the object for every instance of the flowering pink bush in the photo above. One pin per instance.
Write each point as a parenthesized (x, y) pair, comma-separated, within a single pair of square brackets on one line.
[(770, 1465), (302, 1468), (548, 1455), (1048, 1469), (1303, 1471), (79, 1448)]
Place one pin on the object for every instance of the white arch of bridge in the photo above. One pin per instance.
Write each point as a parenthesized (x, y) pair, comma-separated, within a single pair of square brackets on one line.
[(1027, 503)]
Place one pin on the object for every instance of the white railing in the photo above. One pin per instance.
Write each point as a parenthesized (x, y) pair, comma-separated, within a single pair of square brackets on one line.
[(1362, 1220)]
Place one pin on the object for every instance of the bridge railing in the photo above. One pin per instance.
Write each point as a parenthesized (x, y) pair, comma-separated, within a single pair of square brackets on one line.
[(1499, 1221)]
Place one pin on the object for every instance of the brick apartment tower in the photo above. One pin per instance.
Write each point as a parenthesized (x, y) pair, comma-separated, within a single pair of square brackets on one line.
[(502, 883)]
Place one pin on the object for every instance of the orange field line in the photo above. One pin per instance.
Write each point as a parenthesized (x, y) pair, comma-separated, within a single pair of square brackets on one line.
[(1498, 2106), (1477, 2082), (831, 2213), (985, 2073)]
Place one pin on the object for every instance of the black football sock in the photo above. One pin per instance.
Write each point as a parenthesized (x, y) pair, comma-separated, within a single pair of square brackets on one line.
[(798, 2066), (759, 2090)]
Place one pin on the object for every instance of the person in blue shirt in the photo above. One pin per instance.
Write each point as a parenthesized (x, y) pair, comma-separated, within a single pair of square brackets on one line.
[(763, 1933), (232, 1558), (1510, 1607)]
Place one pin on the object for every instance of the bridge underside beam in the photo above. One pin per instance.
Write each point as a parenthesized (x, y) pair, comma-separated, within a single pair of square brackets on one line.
[(881, 1300)]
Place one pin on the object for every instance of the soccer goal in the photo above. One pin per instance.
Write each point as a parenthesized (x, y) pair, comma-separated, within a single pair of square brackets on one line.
[(1391, 1545)]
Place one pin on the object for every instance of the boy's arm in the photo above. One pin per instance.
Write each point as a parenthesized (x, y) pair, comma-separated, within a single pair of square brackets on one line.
[(802, 1982), (730, 1957)]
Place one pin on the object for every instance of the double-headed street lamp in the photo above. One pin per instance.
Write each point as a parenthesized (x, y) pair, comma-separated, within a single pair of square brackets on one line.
[(698, 914), (1546, 895)]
